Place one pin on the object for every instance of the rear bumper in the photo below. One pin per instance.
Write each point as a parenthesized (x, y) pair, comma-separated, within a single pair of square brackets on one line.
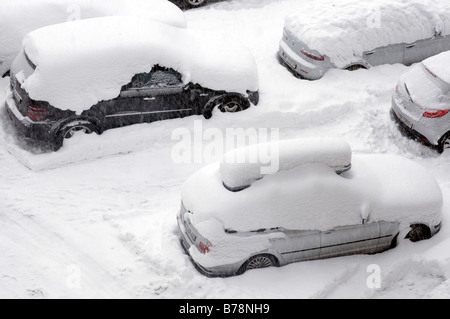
[(428, 131), (300, 66), (219, 271), (37, 132)]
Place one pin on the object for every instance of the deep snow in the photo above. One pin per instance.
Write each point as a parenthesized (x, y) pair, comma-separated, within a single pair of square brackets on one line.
[(98, 218)]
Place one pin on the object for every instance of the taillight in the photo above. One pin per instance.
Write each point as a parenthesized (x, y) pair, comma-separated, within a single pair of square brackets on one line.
[(435, 114), (312, 56), (396, 88), (37, 113), (432, 74), (205, 248)]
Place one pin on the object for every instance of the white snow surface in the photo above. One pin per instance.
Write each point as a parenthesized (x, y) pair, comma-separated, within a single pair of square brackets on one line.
[(84, 62), (19, 17), (344, 30), (314, 197), (98, 218), (243, 166), (440, 66)]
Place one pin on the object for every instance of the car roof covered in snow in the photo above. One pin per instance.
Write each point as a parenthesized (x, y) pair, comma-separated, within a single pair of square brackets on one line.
[(240, 168), (344, 31), (84, 62), (439, 65), (19, 17)]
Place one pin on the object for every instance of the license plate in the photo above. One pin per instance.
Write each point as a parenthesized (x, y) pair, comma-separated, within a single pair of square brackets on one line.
[(289, 60)]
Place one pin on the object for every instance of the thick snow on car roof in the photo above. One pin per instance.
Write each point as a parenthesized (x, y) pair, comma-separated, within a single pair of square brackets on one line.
[(243, 166), (440, 66), (83, 62), (344, 31), (313, 197), (19, 17)]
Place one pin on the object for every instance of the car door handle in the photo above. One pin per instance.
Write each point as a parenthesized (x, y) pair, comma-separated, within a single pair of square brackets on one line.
[(150, 99), (369, 53), (410, 46)]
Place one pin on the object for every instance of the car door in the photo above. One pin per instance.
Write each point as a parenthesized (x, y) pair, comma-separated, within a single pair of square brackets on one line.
[(165, 96), (385, 55), (349, 240), (423, 49), (297, 246)]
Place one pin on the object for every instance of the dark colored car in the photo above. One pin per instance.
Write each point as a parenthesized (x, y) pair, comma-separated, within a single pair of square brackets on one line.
[(150, 96)]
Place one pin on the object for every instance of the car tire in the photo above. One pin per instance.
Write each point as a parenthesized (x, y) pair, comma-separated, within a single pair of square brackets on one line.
[(229, 103), (195, 3), (355, 67), (258, 262), (8, 73), (444, 143), (69, 129), (394, 242), (419, 232)]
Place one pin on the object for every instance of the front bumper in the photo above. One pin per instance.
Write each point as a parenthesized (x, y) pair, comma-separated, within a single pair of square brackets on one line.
[(36, 132)]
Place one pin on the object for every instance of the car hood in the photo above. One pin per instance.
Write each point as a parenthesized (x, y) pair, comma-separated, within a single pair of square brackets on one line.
[(314, 197)]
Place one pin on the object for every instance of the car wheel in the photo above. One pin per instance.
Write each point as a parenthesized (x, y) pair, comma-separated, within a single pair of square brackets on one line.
[(231, 103), (8, 73), (444, 143), (70, 129), (195, 3), (258, 262), (394, 242), (419, 232), (355, 67)]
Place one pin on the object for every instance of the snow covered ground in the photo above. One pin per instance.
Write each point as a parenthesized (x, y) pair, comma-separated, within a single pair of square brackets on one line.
[(98, 218)]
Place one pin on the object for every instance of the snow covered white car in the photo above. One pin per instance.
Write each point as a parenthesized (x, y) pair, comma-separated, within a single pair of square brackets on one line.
[(421, 102), (97, 74), (320, 204), (362, 34), (19, 17)]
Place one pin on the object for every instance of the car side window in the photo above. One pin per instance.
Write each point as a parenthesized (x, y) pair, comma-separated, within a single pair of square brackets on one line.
[(158, 81)]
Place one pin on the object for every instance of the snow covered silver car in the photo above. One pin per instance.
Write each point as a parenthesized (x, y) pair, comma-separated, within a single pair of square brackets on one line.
[(19, 17), (321, 203), (362, 34), (192, 3), (421, 103)]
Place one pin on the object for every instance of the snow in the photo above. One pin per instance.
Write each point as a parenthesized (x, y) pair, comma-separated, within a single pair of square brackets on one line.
[(105, 215), (84, 62), (243, 166), (343, 31), (439, 65), (314, 197), (19, 17)]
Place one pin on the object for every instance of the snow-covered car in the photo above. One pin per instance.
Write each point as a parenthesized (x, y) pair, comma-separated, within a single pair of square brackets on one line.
[(323, 202), (97, 74), (362, 34), (421, 102), (19, 17)]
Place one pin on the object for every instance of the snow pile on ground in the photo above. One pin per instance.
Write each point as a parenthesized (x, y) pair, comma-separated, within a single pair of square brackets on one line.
[(19, 17), (84, 62), (243, 166), (314, 197), (343, 31)]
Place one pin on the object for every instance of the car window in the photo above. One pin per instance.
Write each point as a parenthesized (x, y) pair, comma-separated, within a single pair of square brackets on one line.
[(157, 78)]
